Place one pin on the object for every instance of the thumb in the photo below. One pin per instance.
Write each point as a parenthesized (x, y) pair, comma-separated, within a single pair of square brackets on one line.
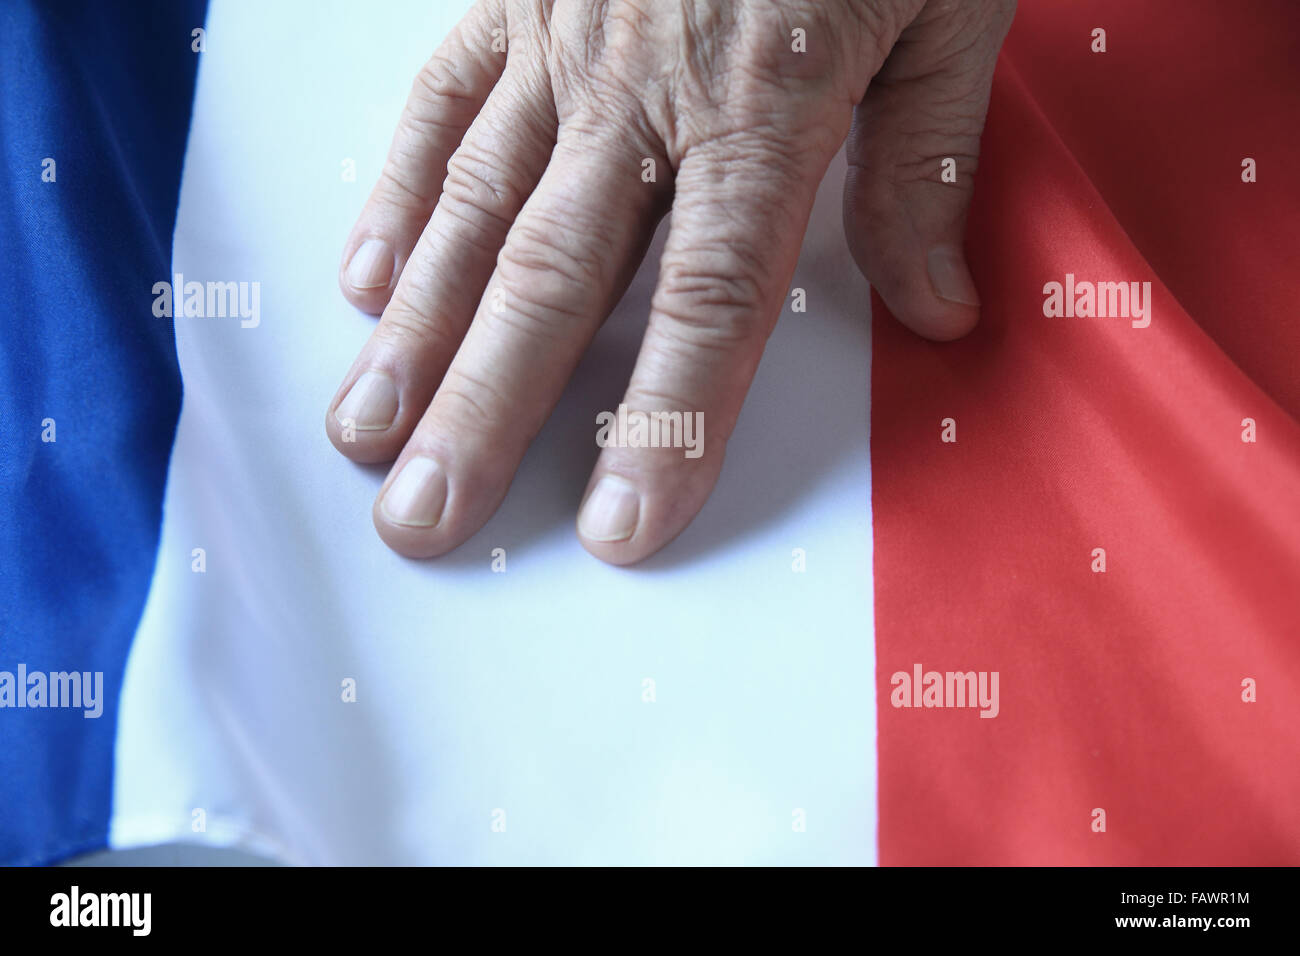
[(912, 155)]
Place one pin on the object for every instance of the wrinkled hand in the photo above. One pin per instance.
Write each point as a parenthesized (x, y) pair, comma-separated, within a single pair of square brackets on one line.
[(540, 147)]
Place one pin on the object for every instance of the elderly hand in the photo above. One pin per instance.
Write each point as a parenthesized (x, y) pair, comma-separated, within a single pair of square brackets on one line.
[(541, 145)]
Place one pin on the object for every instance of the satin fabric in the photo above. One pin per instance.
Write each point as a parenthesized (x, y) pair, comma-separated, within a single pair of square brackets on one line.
[(94, 112), (1120, 691)]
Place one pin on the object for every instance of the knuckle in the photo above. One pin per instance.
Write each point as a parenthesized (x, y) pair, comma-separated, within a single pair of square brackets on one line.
[(442, 78), (462, 228), (923, 162), (547, 281), (398, 187), (478, 186), (535, 246), (713, 306), (477, 412), (471, 403), (706, 292), (913, 147), (643, 396), (765, 156), (442, 103), (403, 328)]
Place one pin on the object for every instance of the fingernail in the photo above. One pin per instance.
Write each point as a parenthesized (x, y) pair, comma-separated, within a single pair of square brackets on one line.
[(416, 497), (611, 511), (950, 277), (371, 266), (371, 403)]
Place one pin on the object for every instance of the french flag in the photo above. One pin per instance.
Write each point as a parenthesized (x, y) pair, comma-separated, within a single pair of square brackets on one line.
[(1027, 598)]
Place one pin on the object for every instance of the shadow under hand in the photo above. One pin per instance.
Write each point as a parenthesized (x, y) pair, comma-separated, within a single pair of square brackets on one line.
[(806, 413)]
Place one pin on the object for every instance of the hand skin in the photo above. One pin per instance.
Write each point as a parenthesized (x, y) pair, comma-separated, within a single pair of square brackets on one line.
[(512, 214)]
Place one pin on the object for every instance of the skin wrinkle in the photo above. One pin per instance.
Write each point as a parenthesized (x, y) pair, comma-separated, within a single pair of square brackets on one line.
[(483, 152), (647, 400), (469, 181), (400, 193), (412, 325), (479, 419), (441, 78), (464, 211), (539, 280), (541, 324)]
